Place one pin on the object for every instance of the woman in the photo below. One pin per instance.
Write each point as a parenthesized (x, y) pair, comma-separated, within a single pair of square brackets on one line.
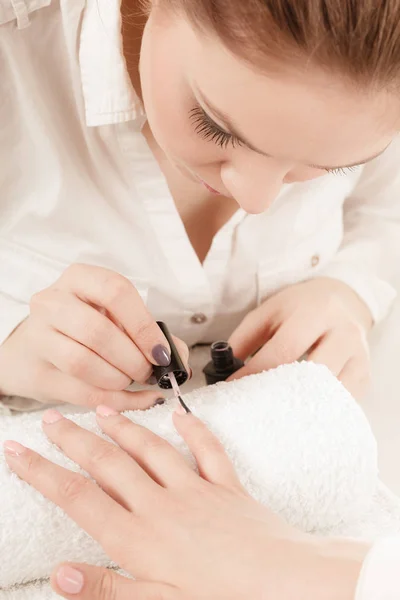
[(209, 184), (247, 103), (188, 536)]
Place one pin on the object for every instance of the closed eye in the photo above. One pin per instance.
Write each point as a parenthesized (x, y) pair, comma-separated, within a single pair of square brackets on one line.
[(342, 170), (210, 131)]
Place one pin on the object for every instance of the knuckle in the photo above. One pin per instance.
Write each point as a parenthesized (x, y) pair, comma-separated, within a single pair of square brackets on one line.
[(96, 335), (152, 442), (116, 287), (103, 452), (211, 444), (39, 299), (122, 428), (141, 371), (119, 382), (72, 271), (143, 329), (76, 363), (72, 487), (32, 465), (94, 397), (285, 352), (206, 442)]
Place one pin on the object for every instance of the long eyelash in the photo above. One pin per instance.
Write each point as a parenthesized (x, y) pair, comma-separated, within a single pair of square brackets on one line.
[(342, 171), (207, 129)]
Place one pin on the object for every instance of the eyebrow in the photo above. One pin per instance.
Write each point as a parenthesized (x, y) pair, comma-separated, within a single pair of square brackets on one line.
[(230, 129)]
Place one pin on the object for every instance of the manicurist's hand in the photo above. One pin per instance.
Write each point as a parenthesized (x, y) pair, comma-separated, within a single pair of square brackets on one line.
[(87, 337), (322, 317), (182, 535)]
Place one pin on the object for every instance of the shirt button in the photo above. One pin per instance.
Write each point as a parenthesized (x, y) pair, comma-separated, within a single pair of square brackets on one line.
[(315, 260), (198, 318)]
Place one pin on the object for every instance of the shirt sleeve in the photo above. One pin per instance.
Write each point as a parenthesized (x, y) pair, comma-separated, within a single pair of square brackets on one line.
[(380, 574), (368, 259)]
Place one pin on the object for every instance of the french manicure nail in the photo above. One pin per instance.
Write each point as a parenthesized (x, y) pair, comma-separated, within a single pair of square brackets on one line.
[(106, 411), (161, 355), (13, 448), (159, 402), (52, 416), (69, 580)]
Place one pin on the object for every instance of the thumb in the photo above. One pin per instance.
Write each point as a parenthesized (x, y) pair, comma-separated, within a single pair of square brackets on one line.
[(84, 582)]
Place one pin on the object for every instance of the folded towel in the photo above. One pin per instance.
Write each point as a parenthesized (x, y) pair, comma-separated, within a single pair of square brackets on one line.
[(299, 442)]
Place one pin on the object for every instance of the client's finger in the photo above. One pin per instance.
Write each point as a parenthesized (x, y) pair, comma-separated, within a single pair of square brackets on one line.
[(212, 460), (109, 465), (84, 582), (155, 455), (80, 498)]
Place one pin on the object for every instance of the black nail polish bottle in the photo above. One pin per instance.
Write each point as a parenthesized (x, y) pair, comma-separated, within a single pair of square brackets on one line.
[(176, 365), (223, 363)]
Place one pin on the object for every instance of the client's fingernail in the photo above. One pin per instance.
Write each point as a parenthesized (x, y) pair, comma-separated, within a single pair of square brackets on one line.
[(190, 371), (52, 416), (69, 580), (13, 448), (181, 411), (159, 402), (106, 411), (152, 380), (161, 355)]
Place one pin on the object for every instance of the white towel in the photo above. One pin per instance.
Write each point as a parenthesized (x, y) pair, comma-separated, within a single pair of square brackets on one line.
[(299, 442)]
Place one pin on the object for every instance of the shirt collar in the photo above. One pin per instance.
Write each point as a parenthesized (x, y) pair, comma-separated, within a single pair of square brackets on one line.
[(108, 92)]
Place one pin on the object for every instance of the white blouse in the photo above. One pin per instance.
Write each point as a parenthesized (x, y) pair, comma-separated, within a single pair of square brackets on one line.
[(78, 183)]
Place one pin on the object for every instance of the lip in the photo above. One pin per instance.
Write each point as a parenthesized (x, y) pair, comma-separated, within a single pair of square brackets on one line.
[(210, 189)]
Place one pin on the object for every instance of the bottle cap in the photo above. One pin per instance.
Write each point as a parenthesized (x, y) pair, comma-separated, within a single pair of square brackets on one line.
[(176, 365)]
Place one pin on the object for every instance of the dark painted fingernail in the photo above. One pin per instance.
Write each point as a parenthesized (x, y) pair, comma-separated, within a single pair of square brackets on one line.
[(159, 402), (152, 380), (161, 355)]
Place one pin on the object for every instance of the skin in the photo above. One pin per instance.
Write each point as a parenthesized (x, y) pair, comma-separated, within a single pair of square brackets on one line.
[(89, 367), (88, 336), (153, 499), (292, 137)]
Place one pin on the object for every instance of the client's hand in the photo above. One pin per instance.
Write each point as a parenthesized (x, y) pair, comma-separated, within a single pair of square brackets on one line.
[(323, 318), (182, 535)]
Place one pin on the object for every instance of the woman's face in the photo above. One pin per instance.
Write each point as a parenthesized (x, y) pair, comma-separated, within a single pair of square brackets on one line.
[(242, 133)]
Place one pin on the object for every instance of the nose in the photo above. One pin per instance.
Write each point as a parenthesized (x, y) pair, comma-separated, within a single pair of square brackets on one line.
[(254, 184)]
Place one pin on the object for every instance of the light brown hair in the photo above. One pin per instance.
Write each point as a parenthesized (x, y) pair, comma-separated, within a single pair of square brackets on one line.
[(358, 38)]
